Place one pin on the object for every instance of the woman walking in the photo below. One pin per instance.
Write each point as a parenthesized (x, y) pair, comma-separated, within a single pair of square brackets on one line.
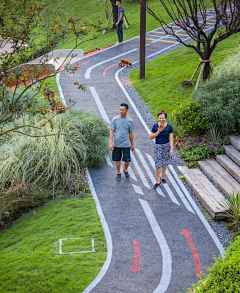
[(163, 134)]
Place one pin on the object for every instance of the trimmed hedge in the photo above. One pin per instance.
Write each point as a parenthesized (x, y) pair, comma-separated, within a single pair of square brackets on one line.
[(224, 276)]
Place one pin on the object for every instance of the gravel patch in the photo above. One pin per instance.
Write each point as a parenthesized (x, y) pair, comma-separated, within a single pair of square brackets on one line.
[(219, 227)]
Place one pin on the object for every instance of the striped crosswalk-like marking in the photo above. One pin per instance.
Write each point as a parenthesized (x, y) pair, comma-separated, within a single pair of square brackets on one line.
[(150, 175), (165, 41), (141, 175), (166, 187)]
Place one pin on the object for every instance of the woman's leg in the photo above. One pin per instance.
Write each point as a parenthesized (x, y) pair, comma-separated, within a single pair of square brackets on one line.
[(157, 172), (163, 172)]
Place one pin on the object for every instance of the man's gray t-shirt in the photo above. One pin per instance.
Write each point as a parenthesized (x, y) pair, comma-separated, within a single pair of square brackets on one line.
[(122, 127)]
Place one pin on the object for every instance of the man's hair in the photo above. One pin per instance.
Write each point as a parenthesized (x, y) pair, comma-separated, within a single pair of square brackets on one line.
[(118, 1), (124, 105)]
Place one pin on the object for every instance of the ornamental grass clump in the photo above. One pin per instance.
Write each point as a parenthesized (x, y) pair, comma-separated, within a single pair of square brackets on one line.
[(50, 161)]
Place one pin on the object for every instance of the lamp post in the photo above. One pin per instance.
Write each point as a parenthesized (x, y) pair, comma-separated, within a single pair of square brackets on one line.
[(142, 38)]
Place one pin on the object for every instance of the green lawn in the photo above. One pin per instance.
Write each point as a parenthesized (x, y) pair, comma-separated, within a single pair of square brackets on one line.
[(30, 260), (162, 89), (94, 10)]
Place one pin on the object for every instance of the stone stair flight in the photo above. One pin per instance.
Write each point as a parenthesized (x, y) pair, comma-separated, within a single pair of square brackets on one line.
[(224, 172)]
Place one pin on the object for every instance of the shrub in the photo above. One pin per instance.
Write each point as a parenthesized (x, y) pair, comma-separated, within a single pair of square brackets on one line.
[(224, 275), (190, 117), (18, 199), (193, 149), (50, 161), (78, 183), (219, 101)]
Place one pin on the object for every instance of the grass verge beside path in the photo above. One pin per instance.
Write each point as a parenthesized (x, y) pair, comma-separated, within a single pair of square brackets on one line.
[(30, 260), (162, 89), (94, 10)]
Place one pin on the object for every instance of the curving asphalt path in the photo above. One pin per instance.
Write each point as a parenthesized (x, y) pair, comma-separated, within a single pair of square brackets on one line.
[(157, 241)]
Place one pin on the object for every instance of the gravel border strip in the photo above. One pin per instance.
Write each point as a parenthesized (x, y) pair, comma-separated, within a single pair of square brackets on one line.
[(219, 227)]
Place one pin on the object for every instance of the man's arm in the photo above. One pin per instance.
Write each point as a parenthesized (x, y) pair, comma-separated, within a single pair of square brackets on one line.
[(111, 139), (121, 14), (131, 140)]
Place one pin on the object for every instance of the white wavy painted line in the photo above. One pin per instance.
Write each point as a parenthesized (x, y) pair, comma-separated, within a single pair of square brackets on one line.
[(88, 71), (198, 212), (165, 186), (99, 104), (166, 254), (107, 234), (179, 192)]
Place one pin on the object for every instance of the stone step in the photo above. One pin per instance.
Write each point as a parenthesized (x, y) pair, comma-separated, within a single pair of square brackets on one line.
[(232, 153), (220, 180), (229, 165), (224, 174), (208, 195), (235, 141)]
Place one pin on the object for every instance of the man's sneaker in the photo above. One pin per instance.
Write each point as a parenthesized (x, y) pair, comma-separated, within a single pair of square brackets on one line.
[(156, 185), (118, 177), (163, 181), (126, 175)]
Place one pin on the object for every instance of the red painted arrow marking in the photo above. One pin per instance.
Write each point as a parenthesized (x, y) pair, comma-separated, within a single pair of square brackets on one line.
[(194, 251), (105, 70), (136, 267)]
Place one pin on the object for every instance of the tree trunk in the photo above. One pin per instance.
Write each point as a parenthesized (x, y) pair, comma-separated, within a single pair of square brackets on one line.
[(206, 71)]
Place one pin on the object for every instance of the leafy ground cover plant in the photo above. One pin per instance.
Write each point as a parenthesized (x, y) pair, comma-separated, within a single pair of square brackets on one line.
[(224, 275), (78, 183), (193, 149)]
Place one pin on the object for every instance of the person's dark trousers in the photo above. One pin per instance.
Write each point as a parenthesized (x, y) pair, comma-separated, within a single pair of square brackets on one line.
[(120, 31)]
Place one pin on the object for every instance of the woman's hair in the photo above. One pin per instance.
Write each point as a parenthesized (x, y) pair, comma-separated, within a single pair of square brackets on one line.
[(162, 112)]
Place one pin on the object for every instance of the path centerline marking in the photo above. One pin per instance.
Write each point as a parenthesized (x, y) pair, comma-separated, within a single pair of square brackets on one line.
[(88, 71), (105, 70), (99, 104), (166, 254)]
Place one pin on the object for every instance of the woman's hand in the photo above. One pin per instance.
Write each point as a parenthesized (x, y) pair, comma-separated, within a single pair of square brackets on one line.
[(171, 152), (160, 129)]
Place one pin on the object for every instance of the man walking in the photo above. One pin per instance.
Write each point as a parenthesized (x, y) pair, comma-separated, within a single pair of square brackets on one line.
[(122, 132), (120, 22)]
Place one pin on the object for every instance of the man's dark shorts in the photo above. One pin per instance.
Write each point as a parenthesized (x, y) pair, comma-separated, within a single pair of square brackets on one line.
[(119, 154)]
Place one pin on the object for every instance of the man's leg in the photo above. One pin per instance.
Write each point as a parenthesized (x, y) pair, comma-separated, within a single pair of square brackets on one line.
[(126, 165), (121, 32), (118, 165), (118, 32)]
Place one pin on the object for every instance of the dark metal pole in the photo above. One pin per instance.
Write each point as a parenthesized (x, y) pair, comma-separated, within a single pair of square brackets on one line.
[(142, 38)]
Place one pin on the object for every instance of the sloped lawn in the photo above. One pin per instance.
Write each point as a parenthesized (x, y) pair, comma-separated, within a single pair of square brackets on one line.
[(30, 259)]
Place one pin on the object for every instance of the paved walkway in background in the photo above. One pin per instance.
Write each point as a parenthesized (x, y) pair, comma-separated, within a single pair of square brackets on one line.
[(157, 240)]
